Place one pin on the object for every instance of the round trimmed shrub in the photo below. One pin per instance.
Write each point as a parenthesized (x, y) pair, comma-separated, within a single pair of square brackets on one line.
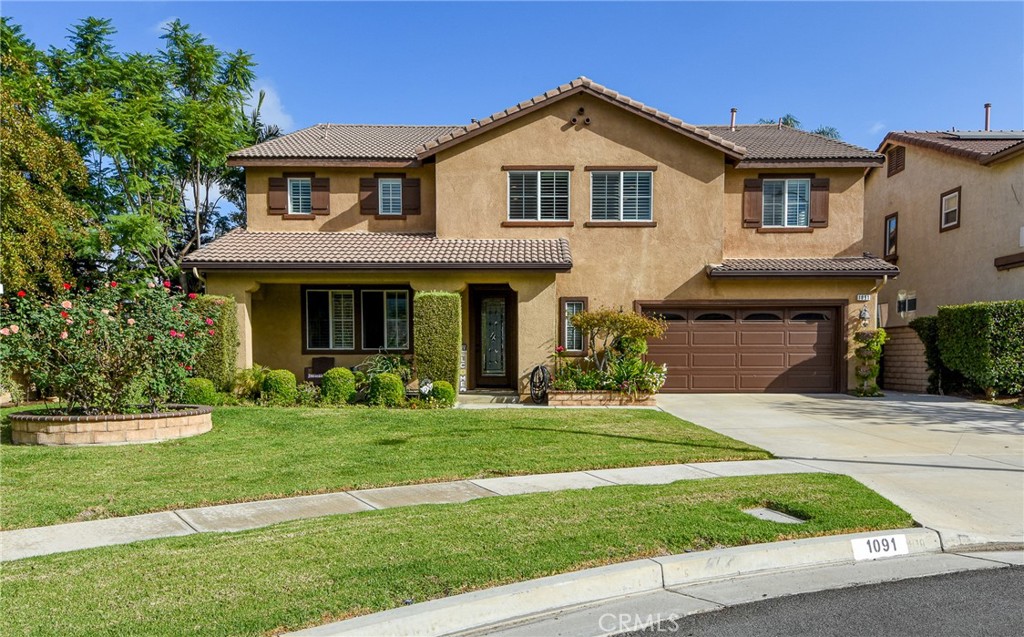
[(337, 386), (199, 391), (279, 388), (386, 390), (443, 393)]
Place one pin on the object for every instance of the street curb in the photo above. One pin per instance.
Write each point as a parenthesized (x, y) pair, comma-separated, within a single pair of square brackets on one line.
[(505, 603)]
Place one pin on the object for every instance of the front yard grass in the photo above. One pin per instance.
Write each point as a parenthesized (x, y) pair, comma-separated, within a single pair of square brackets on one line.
[(258, 453), (310, 572)]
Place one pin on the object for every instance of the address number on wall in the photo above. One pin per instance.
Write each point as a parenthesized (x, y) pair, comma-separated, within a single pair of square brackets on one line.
[(874, 548)]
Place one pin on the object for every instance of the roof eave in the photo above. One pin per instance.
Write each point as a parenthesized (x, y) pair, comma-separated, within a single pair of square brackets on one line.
[(872, 162), (325, 162), (805, 274), (1003, 155), (334, 267)]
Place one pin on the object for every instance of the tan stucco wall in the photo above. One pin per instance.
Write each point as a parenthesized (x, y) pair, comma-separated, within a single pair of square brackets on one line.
[(842, 237), (273, 301), (344, 214), (956, 266)]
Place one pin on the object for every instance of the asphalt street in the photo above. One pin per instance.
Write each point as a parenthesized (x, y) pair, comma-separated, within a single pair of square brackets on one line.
[(978, 603)]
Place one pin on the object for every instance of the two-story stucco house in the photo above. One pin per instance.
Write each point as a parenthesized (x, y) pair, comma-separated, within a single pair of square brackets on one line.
[(747, 239), (949, 209)]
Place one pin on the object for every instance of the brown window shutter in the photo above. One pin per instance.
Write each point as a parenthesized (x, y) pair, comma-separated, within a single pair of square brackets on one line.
[(410, 196), (277, 196), (368, 196), (896, 158), (752, 203), (819, 203), (321, 195)]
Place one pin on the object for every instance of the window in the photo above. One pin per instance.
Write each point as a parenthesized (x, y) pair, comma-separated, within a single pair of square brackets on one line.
[(300, 196), (385, 319), (810, 316), (762, 316), (330, 319), (538, 195), (906, 302), (786, 203), (571, 338), (949, 212), (389, 196), (621, 195), (891, 230), (714, 316), (895, 160)]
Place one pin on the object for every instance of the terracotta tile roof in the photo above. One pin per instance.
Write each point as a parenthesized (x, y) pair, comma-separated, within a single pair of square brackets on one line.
[(346, 141), (767, 143), (581, 85), (836, 267), (981, 146), (240, 249)]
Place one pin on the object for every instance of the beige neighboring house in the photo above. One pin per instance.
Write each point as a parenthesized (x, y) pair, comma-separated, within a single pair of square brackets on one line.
[(747, 239), (949, 210)]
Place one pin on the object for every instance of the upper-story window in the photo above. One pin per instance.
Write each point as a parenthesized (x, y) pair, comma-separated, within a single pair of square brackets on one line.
[(949, 211), (891, 236), (895, 160), (786, 203), (538, 195), (300, 196), (389, 196), (621, 195)]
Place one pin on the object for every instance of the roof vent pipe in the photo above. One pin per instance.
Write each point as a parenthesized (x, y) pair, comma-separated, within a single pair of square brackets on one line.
[(780, 123), (732, 119), (988, 117)]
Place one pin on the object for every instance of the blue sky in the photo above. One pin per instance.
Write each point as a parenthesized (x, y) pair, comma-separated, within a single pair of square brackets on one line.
[(865, 68)]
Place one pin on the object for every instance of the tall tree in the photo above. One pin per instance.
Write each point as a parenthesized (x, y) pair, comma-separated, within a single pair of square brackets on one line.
[(233, 179)]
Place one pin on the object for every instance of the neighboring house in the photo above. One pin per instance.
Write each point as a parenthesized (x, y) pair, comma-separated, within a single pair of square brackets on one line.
[(949, 210), (747, 239)]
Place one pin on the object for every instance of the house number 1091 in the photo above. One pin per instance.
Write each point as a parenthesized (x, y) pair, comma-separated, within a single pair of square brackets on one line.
[(873, 548)]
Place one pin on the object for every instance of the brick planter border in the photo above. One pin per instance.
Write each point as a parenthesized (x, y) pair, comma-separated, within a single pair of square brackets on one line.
[(180, 421), (598, 399)]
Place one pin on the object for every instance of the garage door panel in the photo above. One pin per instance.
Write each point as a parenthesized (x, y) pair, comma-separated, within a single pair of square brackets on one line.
[(713, 382), (703, 360), (763, 359), (713, 338), (803, 338), (763, 338)]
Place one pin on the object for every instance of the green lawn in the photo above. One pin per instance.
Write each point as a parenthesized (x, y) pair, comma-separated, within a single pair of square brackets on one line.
[(257, 453), (313, 571)]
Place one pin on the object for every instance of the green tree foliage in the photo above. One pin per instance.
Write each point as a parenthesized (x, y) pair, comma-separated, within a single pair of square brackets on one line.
[(791, 121), (985, 343), (868, 352), (608, 332)]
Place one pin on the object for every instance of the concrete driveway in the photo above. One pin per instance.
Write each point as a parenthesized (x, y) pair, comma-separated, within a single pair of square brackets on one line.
[(955, 465)]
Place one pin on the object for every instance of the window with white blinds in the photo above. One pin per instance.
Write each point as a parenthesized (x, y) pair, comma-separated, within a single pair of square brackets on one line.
[(330, 319), (389, 196), (300, 196), (573, 337), (383, 319), (538, 195), (621, 195), (786, 203)]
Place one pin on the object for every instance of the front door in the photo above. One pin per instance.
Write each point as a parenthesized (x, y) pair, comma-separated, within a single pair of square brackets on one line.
[(493, 335)]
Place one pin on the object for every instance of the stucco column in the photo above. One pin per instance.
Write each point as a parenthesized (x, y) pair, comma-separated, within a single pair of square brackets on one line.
[(537, 322)]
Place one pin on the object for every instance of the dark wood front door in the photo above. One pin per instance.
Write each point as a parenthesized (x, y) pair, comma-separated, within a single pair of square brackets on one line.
[(493, 335)]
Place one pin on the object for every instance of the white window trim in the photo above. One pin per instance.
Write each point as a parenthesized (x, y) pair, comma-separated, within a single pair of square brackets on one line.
[(785, 204), (380, 196), (621, 174), (536, 217), (292, 180), (408, 314), (330, 320), (568, 324), (943, 219), (889, 249)]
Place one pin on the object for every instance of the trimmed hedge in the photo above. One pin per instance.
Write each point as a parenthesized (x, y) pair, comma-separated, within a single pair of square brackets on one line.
[(279, 388), (199, 391), (941, 379), (443, 393), (386, 390), (338, 386), (217, 360), (985, 343), (437, 334)]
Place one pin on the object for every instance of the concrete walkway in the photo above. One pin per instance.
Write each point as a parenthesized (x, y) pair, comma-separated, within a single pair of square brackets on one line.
[(957, 466), (22, 543)]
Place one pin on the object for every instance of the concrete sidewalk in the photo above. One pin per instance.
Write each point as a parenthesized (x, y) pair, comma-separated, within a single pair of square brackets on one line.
[(23, 543), (956, 466)]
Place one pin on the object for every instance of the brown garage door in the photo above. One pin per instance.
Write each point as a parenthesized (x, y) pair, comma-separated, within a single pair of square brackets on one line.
[(755, 349)]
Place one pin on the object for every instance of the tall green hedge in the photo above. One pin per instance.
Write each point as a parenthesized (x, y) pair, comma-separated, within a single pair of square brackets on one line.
[(941, 379), (437, 335), (985, 343), (217, 360)]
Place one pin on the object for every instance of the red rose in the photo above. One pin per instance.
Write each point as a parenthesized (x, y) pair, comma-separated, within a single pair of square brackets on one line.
[(113, 284), (67, 286), (150, 338), (21, 294), (167, 284), (191, 296), (211, 332), (173, 333), (64, 314), (188, 367)]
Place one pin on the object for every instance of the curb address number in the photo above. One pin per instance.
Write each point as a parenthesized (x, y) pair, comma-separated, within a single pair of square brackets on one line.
[(873, 548)]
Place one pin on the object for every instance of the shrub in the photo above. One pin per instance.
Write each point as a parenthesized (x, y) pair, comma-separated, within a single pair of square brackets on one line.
[(386, 390), (985, 343), (611, 333), (9, 385), (437, 332), (248, 383), (941, 379), (308, 395), (443, 393), (386, 364), (106, 350), (199, 391), (216, 361), (279, 388), (868, 352), (338, 386)]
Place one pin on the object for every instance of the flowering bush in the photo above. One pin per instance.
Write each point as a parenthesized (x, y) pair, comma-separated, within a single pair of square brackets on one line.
[(107, 350)]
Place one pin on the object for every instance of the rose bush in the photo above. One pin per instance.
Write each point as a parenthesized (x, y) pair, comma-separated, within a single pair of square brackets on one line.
[(107, 350)]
